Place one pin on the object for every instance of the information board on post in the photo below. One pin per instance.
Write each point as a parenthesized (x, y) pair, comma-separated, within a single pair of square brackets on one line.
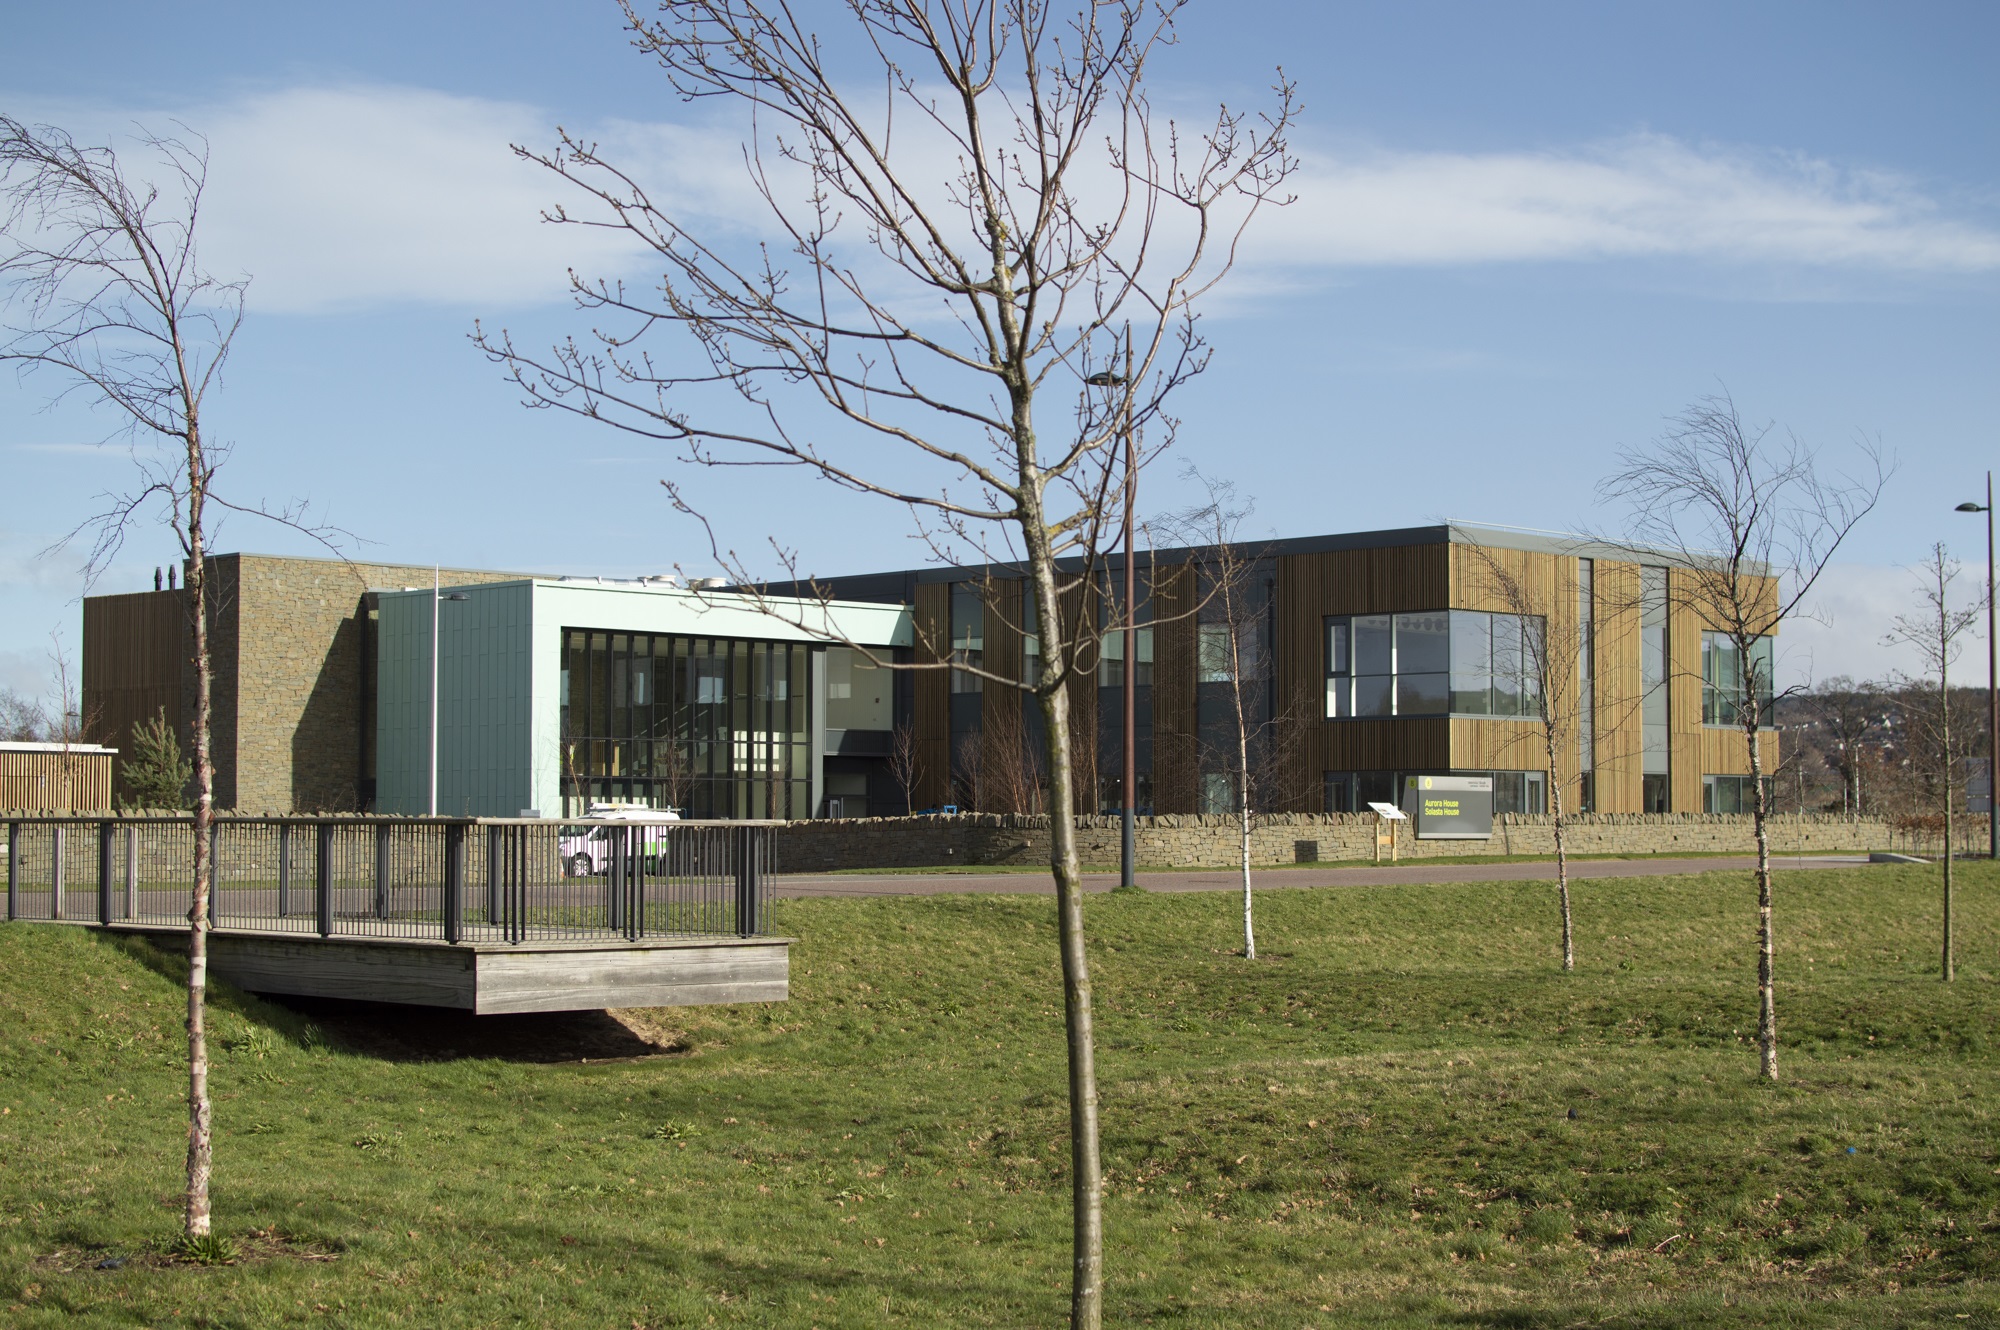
[(1450, 807)]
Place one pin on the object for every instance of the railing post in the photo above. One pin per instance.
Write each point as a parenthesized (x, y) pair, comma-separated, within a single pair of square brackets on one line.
[(132, 872), (495, 842), (381, 870), (518, 852), (454, 882), (749, 881), (284, 869), (13, 871), (614, 873), (104, 834), (323, 879), (56, 871)]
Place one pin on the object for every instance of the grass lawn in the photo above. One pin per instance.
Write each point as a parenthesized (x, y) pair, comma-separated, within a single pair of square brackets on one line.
[(1401, 1115)]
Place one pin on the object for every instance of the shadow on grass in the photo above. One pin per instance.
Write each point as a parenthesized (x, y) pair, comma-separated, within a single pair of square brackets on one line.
[(397, 1033)]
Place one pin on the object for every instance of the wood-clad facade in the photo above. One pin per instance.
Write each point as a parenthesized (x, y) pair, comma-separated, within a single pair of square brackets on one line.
[(51, 778), (1438, 572)]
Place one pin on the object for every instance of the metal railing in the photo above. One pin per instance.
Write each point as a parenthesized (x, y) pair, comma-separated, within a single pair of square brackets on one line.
[(461, 880)]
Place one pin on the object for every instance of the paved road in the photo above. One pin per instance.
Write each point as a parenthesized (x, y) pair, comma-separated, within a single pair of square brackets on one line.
[(1223, 879)]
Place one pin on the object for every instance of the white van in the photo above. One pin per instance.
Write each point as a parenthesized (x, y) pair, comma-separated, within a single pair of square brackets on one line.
[(586, 850)]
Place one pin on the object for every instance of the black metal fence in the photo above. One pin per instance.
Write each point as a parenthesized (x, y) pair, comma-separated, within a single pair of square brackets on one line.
[(455, 879)]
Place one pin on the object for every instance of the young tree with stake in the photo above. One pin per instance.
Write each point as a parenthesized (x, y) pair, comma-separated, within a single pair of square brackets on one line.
[(1229, 650), (961, 227), (1745, 524), (1938, 632), (107, 294), (1552, 651)]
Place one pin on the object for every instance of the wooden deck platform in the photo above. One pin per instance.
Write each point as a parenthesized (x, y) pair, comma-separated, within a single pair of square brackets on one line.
[(497, 976)]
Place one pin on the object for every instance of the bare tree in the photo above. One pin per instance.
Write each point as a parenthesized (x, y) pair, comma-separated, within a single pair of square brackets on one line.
[(69, 726), (1937, 631), (1230, 650), (102, 269), (962, 228), (1746, 524), (904, 765), (1552, 650), (22, 719), (1844, 718), (1011, 771)]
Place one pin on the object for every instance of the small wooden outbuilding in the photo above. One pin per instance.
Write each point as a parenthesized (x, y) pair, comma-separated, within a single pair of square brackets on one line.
[(55, 778)]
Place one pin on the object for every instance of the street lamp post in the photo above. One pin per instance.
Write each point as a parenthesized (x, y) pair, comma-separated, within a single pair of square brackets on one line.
[(1992, 684), (435, 598), (1129, 784)]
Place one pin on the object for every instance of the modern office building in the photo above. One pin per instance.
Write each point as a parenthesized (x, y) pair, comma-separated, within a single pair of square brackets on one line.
[(1366, 657), (550, 695), (550, 692)]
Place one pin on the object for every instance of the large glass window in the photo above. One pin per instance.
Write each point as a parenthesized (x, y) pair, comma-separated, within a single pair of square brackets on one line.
[(859, 693), (968, 636), (1732, 794), (1655, 748), (1724, 686), (1214, 661), (714, 728), (1432, 664), (1111, 660)]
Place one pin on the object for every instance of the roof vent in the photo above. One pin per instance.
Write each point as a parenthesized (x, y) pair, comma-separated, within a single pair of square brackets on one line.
[(710, 583)]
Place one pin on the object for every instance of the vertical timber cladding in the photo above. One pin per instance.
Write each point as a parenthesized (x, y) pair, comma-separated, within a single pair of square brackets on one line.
[(931, 692), (1703, 750), (1080, 613), (1684, 728), (1005, 765), (1368, 581), (1620, 759), (1547, 587), (1177, 756), (134, 648)]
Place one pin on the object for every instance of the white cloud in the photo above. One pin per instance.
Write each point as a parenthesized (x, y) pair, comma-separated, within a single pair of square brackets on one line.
[(372, 196), (338, 198), (1647, 196), (1855, 605)]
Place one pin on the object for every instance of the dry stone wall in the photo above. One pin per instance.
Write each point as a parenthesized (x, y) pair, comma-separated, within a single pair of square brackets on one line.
[(1189, 841)]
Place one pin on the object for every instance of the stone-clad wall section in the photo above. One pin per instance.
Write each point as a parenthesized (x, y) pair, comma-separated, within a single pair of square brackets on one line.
[(297, 684), (1189, 841)]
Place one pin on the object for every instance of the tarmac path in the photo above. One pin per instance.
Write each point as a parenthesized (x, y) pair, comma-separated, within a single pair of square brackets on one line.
[(1228, 879)]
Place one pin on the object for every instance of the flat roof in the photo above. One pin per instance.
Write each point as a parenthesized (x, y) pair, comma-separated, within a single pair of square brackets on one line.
[(22, 746), (1450, 532)]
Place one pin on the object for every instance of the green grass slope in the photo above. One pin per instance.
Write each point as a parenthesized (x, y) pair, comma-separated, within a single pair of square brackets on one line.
[(1401, 1114)]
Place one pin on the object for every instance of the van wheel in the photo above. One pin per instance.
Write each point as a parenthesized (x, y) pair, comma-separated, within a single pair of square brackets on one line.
[(579, 865)]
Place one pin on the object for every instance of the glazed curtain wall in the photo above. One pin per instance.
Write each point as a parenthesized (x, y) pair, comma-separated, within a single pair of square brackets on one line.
[(712, 727)]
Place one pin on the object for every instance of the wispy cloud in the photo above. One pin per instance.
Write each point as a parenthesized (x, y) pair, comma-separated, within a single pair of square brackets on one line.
[(1646, 196), (370, 196)]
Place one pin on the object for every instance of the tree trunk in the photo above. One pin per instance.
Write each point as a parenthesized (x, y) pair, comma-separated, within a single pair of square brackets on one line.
[(1242, 772), (1767, 1005), (1086, 1170), (200, 1147), (1944, 728), (1562, 854)]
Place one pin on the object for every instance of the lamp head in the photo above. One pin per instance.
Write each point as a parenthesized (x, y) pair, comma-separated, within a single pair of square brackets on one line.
[(1970, 508), (1105, 379)]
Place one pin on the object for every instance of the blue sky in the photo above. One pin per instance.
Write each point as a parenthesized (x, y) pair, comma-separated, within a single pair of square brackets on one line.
[(1526, 234)]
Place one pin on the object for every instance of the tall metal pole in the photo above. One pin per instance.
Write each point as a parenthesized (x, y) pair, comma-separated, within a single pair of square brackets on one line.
[(1992, 698), (434, 690), (1131, 790), (1131, 661)]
